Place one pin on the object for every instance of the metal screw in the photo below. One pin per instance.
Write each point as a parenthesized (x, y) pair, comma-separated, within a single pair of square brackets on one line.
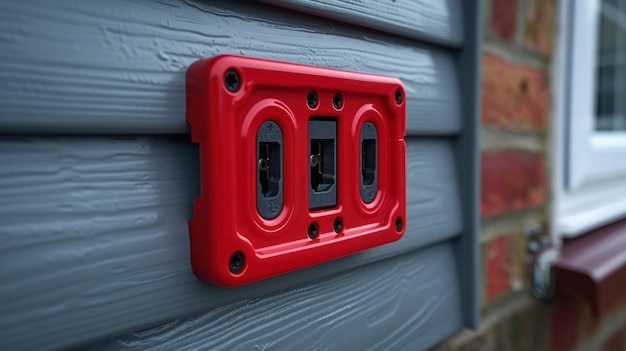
[(235, 264), (398, 223), (264, 164), (311, 99), (338, 225), (313, 230), (337, 101), (315, 160), (232, 81), (398, 96)]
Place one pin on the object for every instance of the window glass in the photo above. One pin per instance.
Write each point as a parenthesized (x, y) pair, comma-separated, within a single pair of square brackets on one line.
[(611, 67)]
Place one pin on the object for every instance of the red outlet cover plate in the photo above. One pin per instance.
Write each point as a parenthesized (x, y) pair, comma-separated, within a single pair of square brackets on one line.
[(231, 243)]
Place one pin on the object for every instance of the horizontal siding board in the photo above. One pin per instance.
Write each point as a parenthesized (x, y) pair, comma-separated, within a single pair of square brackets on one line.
[(437, 21), (95, 232), (81, 67), (417, 304)]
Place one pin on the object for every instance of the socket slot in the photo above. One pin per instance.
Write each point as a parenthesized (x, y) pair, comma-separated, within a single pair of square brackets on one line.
[(322, 163), (368, 162), (269, 165)]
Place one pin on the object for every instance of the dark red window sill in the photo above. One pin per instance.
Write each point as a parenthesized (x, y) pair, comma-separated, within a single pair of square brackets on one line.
[(593, 265)]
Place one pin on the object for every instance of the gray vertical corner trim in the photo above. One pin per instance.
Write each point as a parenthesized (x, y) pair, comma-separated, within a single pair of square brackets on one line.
[(468, 163), (438, 21), (409, 302), (87, 67), (94, 230)]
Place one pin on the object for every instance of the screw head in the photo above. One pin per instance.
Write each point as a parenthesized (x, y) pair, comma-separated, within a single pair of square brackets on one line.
[(236, 262), (398, 96), (264, 164), (312, 99), (232, 82), (313, 230), (398, 223), (337, 101), (338, 224)]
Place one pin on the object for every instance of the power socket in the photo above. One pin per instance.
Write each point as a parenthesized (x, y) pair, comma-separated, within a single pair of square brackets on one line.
[(269, 156), (299, 165), (322, 135), (369, 159)]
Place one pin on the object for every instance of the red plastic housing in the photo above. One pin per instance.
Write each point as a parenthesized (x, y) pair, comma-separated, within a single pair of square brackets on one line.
[(231, 243)]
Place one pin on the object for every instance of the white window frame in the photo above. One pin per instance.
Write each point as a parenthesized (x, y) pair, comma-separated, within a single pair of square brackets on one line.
[(589, 178)]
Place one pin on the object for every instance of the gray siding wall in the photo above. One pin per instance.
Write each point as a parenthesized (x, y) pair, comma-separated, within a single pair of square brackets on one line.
[(74, 67), (97, 178), (95, 228), (436, 21), (404, 303)]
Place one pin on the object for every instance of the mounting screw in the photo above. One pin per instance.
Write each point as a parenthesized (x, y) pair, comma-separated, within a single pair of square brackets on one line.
[(337, 101), (398, 223), (232, 81), (338, 225), (311, 99), (235, 264), (313, 232), (398, 96), (264, 164)]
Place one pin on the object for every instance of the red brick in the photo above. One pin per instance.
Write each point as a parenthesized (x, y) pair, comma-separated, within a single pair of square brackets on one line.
[(514, 96), (497, 278), (504, 264), (503, 18), (539, 25), (511, 180), (565, 325)]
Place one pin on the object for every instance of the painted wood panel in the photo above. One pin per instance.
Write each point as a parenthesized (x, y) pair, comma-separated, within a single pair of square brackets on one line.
[(87, 67), (439, 21), (406, 303), (94, 238)]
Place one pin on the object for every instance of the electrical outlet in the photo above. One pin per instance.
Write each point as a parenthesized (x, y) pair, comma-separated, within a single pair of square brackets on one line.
[(299, 165), (269, 190), (369, 156), (322, 163)]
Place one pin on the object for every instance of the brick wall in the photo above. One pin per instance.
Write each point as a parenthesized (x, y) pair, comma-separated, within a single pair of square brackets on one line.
[(515, 116)]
